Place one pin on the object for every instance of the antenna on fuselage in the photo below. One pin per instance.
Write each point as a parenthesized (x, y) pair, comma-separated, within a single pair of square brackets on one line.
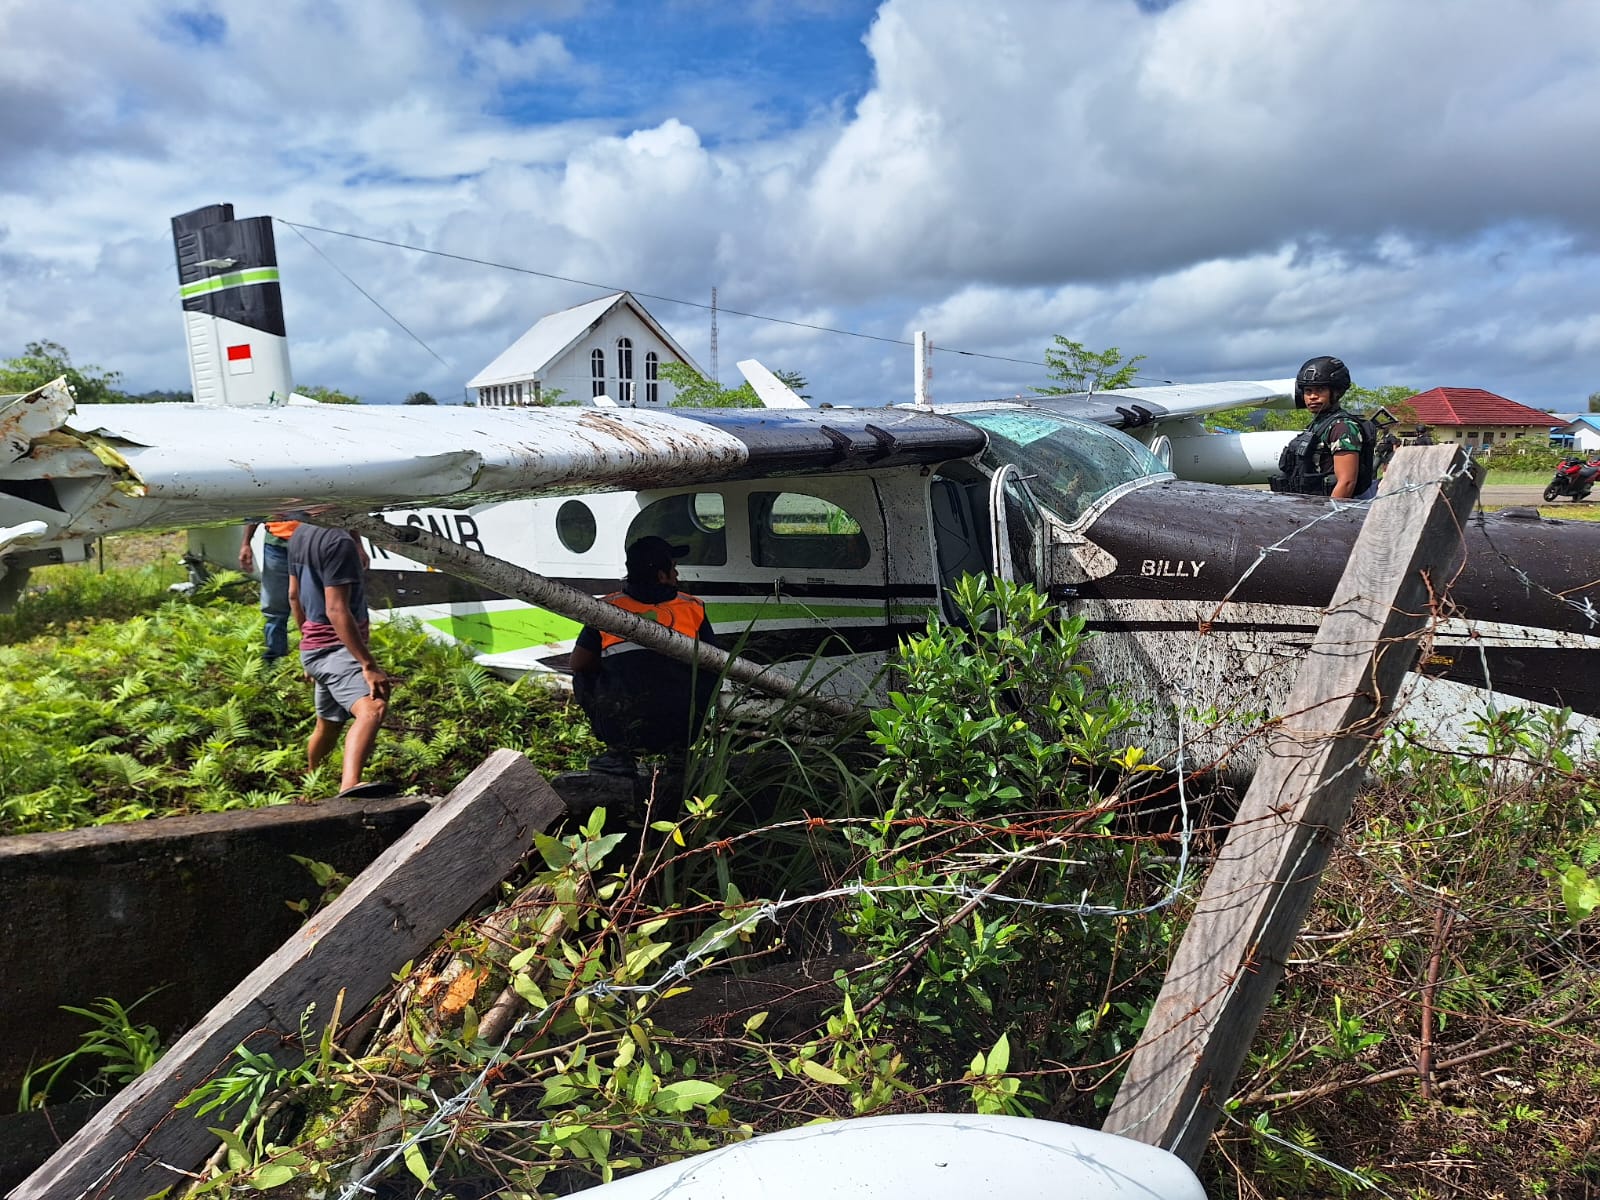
[(923, 365)]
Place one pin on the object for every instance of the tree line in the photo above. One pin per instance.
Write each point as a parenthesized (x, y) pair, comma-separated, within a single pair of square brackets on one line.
[(1072, 367), (42, 361)]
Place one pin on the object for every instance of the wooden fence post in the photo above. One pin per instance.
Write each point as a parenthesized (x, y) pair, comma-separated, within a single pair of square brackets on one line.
[(139, 1143), (1233, 951)]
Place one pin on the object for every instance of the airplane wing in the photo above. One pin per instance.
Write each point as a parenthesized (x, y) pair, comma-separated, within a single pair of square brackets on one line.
[(1133, 408), (774, 392), (110, 467)]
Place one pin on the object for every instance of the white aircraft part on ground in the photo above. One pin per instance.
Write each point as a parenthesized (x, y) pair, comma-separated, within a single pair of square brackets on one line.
[(920, 1156)]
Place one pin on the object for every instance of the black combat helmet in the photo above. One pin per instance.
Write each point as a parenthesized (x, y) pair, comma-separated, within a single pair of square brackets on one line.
[(1322, 369)]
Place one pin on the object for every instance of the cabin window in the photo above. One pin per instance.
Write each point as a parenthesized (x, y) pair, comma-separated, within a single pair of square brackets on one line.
[(792, 529), (597, 371), (709, 513), (575, 526), (697, 520), (652, 377), (1069, 463), (625, 370)]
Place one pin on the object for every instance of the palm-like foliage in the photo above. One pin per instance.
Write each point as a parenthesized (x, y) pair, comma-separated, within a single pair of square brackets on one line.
[(174, 710)]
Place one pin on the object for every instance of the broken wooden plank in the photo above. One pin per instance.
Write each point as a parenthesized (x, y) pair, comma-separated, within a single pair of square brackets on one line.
[(1233, 951), (428, 879)]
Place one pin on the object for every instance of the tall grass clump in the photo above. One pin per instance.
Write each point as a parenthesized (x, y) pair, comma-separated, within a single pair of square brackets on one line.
[(62, 599)]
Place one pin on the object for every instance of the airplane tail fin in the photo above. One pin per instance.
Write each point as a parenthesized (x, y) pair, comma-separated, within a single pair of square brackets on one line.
[(774, 392), (232, 308)]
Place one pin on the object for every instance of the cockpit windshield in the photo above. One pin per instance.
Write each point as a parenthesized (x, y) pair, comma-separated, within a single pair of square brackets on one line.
[(1069, 463)]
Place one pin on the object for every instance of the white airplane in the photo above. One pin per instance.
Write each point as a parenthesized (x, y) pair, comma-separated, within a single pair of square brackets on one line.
[(831, 530)]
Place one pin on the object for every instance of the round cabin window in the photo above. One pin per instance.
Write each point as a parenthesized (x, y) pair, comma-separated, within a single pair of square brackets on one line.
[(575, 526)]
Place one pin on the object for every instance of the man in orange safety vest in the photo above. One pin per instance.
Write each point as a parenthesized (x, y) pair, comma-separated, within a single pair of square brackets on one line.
[(639, 701)]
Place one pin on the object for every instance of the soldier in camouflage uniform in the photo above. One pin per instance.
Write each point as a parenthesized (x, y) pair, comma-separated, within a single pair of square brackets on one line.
[(1334, 457)]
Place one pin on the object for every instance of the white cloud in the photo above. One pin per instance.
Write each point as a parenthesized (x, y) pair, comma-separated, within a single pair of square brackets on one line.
[(1226, 186)]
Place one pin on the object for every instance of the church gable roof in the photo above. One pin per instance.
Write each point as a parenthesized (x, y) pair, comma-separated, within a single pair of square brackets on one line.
[(552, 336)]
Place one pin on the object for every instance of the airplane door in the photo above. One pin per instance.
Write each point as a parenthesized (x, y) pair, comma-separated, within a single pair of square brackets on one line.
[(1017, 529)]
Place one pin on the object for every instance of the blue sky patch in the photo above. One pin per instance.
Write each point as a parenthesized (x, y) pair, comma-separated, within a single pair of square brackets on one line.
[(196, 26), (728, 74)]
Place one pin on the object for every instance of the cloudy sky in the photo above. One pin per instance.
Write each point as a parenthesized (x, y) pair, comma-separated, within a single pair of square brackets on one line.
[(1226, 186)]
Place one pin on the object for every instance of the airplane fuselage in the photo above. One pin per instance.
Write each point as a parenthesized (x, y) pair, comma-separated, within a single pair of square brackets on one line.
[(1191, 610)]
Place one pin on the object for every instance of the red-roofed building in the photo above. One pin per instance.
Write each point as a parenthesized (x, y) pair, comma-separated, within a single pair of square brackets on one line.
[(1471, 416)]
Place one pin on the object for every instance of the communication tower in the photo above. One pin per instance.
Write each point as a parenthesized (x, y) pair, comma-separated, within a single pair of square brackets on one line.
[(715, 378)]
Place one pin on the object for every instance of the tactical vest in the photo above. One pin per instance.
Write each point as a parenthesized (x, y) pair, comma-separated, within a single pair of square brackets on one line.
[(682, 614), (1306, 465)]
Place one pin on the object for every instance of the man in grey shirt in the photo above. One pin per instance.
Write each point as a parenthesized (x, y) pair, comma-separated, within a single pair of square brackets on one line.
[(327, 593)]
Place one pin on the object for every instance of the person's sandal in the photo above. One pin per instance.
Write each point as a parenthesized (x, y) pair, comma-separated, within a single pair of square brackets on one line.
[(377, 789)]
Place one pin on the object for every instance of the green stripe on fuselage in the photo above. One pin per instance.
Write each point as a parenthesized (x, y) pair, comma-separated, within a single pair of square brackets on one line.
[(234, 279), (511, 629)]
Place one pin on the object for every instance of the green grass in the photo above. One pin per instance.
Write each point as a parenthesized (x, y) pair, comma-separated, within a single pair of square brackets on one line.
[(1571, 512), (1497, 476), (138, 577), (1559, 512)]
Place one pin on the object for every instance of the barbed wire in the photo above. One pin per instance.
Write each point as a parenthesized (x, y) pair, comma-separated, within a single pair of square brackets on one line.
[(1399, 884)]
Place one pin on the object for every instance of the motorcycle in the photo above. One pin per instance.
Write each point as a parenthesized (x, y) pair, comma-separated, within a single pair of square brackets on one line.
[(1574, 477)]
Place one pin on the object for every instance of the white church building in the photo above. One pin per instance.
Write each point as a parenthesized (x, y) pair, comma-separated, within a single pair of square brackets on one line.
[(610, 347)]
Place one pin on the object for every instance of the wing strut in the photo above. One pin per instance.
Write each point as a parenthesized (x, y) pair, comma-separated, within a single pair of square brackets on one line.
[(511, 580)]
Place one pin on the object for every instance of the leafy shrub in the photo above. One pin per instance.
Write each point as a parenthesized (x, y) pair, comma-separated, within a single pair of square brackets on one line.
[(1466, 889), (1002, 760)]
